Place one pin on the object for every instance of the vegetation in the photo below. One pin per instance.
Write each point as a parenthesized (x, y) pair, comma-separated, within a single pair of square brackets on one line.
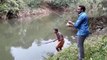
[(95, 49), (11, 5), (34, 3), (19, 5), (16, 5)]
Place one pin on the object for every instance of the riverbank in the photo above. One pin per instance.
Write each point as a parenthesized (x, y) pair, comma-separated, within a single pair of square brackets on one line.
[(35, 12), (21, 8), (95, 49), (40, 12)]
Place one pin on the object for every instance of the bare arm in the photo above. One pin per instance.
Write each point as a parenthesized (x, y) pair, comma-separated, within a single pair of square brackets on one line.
[(70, 24), (59, 37)]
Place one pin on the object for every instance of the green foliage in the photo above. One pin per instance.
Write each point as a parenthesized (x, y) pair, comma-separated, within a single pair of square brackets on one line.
[(56, 2), (13, 5), (98, 49), (3, 1), (95, 49), (37, 3), (61, 3), (34, 3), (3, 7), (94, 7)]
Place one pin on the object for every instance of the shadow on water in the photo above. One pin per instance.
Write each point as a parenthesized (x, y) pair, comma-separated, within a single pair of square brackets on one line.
[(24, 39)]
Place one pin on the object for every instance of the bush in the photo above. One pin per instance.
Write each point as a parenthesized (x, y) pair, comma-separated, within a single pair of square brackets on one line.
[(13, 5), (3, 7)]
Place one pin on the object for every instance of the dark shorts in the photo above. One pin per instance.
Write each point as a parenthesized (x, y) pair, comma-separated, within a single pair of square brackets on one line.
[(60, 44)]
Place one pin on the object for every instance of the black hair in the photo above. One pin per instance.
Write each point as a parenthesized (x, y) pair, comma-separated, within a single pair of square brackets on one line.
[(82, 7), (56, 29)]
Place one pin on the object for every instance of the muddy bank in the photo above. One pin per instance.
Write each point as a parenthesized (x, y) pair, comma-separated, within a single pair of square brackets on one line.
[(98, 24), (40, 12), (35, 12)]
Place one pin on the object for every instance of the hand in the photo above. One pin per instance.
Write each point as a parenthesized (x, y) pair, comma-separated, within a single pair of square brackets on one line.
[(54, 40), (70, 24)]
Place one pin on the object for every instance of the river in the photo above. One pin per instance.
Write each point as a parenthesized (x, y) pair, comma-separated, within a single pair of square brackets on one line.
[(30, 38)]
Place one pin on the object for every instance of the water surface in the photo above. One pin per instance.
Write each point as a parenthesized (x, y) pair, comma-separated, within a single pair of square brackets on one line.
[(24, 39)]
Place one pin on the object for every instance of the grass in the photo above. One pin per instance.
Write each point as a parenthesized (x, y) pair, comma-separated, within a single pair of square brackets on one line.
[(95, 49)]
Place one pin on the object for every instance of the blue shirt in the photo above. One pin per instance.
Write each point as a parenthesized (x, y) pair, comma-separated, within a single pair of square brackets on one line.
[(82, 24)]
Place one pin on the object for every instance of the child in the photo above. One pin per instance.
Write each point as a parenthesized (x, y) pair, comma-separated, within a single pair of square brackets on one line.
[(60, 39)]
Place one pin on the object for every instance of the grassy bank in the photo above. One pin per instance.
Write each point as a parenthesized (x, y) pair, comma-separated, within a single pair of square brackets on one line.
[(95, 49)]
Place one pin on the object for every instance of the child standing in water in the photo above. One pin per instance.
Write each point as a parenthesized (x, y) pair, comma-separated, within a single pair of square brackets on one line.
[(60, 40)]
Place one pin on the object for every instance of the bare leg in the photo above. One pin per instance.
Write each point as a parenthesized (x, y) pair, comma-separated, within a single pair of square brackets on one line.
[(57, 49), (60, 48)]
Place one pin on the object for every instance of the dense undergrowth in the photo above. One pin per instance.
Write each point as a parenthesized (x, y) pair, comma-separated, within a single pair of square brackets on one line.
[(93, 6)]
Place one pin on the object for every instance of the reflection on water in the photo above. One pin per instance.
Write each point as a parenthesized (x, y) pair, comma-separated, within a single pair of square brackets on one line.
[(35, 51), (24, 39)]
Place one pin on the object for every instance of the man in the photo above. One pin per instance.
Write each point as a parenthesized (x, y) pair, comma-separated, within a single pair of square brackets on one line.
[(60, 40), (81, 25)]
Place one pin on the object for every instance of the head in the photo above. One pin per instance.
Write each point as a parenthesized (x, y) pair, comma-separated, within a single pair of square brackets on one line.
[(55, 30), (81, 8)]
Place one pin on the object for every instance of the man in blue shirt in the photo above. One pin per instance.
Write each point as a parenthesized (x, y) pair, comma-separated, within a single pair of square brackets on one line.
[(81, 25)]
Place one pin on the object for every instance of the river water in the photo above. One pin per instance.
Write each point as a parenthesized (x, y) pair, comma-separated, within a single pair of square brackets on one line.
[(30, 38)]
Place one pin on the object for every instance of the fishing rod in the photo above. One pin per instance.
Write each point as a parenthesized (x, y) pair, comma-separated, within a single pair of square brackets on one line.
[(46, 42), (49, 41)]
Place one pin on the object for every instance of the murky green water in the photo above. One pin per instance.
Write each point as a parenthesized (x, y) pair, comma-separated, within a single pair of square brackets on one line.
[(24, 39)]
